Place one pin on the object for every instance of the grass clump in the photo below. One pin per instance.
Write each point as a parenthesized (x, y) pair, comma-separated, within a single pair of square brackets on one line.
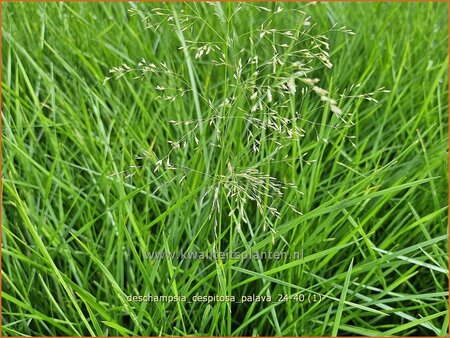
[(231, 128)]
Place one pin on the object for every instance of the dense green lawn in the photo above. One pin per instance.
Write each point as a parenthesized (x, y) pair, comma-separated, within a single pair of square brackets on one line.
[(221, 140)]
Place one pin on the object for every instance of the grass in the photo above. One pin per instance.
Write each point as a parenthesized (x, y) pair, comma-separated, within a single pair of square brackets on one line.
[(84, 203)]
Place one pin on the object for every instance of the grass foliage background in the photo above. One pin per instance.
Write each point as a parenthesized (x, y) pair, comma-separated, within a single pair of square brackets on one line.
[(374, 223)]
